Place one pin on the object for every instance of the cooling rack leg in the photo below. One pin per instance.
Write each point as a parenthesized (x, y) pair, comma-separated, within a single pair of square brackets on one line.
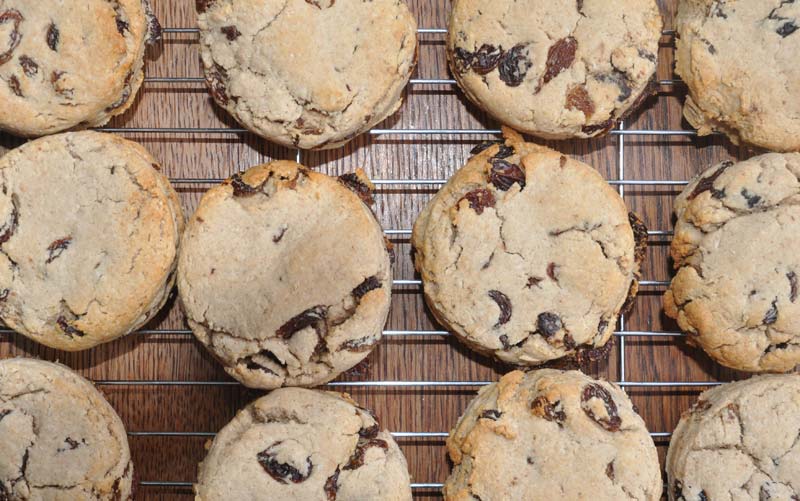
[(621, 176)]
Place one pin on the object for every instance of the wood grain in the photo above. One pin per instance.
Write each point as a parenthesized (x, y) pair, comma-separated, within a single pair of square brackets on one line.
[(171, 357)]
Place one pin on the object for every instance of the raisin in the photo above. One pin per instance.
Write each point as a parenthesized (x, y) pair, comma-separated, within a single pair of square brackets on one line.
[(317, 4), (479, 199), (492, 414), (216, 82), (203, 5), (639, 237), (551, 271), (29, 66), (13, 16), (612, 422), (610, 471), (230, 32), (4, 413), (533, 281), (786, 29), (332, 485), (367, 285), (123, 98), (485, 146), (9, 227), (548, 324), (560, 56), (602, 127), (354, 183), (240, 188), (122, 26), (56, 248), (72, 443), (279, 236), (504, 174), (545, 409), (357, 459), (252, 365), (311, 317), (590, 354), (763, 494), (463, 59), (646, 54), (514, 66), (578, 99), (716, 10), (504, 152), (752, 199), (772, 314), (707, 183), (504, 341), (792, 276), (53, 36), (282, 472), (13, 83), (4, 295), (677, 491), (369, 432), (486, 58), (58, 86), (702, 496), (504, 304), (69, 330), (154, 29)]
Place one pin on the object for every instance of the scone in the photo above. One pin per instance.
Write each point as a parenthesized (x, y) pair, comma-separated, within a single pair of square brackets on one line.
[(285, 276), (308, 74), (738, 60), (70, 65), (735, 248), (739, 442), (556, 69), (89, 233), (528, 255), (547, 435), (304, 445), (59, 438)]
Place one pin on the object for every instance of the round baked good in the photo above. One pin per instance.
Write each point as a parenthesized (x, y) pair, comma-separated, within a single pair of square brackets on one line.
[(59, 438), (309, 74), (738, 60), (528, 255), (555, 68), (735, 248), (298, 444), (89, 231), (739, 441), (66, 67), (552, 434), (285, 276)]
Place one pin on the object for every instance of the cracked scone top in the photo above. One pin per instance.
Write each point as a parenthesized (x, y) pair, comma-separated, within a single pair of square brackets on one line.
[(285, 276), (735, 247), (740, 441), (309, 445), (549, 434), (68, 64), (528, 255), (311, 74), (739, 61), (555, 68), (59, 438), (89, 231)]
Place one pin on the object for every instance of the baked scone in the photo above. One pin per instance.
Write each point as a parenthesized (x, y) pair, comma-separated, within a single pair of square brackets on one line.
[(528, 255), (735, 248), (739, 441), (70, 65), (555, 68), (738, 60), (285, 276), (304, 445), (308, 74), (89, 230), (550, 434), (59, 438)]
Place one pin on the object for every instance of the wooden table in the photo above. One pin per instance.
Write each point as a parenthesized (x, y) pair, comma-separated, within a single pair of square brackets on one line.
[(143, 364)]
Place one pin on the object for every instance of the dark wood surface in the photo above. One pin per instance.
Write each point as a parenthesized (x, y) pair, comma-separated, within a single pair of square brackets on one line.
[(177, 357)]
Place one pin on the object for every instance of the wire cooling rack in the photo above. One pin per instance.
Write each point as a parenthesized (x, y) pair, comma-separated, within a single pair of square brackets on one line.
[(621, 334)]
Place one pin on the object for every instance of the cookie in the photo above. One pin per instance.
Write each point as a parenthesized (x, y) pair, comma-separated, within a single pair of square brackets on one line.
[(59, 438), (298, 444), (528, 255), (552, 434), (64, 67), (738, 60), (556, 69), (89, 230), (309, 74), (285, 276), (736, 289), (739, 441)]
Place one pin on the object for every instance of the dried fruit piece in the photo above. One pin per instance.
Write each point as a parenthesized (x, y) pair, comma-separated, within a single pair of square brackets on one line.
[(153, 26), (610, 471), (357, 459), (463, 59), (56, 248), (282, 472), (203, 5), (29, 66), (369, 284), (12, 16), (548, 324), (792, 276), (486, 58), (601, 127), (13, 83), (551, 271), (515, 65), (216, 80), (772, 314), (560, 56), (230, 32), (332, 485), (68, 329), (485, 146), (578, 99), (611, 421), (122, 26), (503, 175), (786, 29), (504, 304), (242, 189), (126, 93), (751, 198), (707, 183), (550, 411), (357, 186), (479, 199), (314, 316), (9, 227), (504, 152), (492, 414), (53, 36)]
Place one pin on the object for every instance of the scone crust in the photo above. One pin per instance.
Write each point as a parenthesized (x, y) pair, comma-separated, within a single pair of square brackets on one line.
[(307, 74), (528, 274), (736, 289), (550, 434), (59, 438), (70, 67), (738, 60), (310, 270), (739, 441), (556, 69), (88, 239), (304, 445)]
